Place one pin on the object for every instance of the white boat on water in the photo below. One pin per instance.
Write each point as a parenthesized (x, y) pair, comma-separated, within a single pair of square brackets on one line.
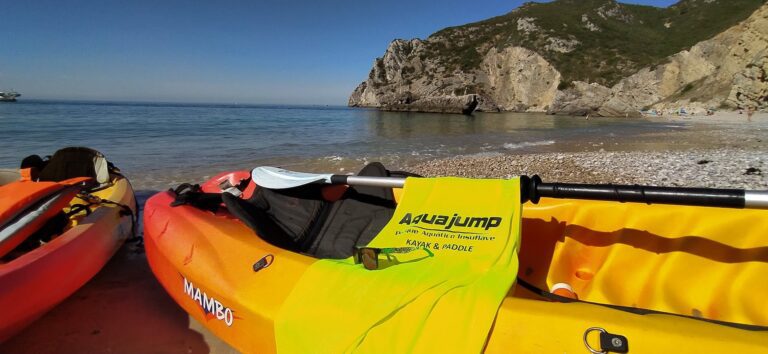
[(9, 96)]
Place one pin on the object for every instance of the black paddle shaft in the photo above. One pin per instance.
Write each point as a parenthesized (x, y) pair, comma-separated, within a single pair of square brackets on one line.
[(533, 189)]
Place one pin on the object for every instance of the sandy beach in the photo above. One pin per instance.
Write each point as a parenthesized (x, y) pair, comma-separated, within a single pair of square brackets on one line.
[(125, 310), (121, 310)]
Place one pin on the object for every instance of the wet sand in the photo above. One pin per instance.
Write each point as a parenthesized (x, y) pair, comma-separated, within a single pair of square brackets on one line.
[(121, 310), (125, 310)]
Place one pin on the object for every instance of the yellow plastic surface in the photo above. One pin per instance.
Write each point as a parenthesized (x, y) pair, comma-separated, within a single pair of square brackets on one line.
[(703, 262)]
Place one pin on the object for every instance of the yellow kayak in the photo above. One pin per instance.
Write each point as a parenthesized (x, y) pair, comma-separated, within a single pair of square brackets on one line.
[(659, 278)]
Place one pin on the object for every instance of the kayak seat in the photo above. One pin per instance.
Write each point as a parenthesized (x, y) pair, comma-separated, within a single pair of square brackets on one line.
[(74, 162), (280, 217), (301, 219)]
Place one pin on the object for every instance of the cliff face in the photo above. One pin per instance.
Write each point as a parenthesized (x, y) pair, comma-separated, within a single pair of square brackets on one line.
[(518, 79), (540, 66), (513, 79), (403, 79), (727, 70)]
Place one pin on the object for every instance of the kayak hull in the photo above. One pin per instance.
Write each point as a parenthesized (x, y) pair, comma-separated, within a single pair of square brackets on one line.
[(204, 261), (175, 261), (40, 279)]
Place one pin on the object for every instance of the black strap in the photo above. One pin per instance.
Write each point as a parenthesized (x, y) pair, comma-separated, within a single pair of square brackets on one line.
[(91, 200), (185, 187), (192, 194), (403, 174), (78, 208)]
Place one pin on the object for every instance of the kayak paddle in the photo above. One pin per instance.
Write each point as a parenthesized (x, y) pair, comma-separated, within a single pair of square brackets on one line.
[(532, 188)]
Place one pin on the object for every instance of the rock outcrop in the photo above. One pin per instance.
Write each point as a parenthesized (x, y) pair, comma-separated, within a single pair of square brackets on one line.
[(464, 104), (580, 99), (725, 71), (750, 87), (402, 80), (518, 79), (728, 69)]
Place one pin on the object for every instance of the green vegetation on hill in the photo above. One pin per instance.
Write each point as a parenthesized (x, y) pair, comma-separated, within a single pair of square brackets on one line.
[(612, 40)]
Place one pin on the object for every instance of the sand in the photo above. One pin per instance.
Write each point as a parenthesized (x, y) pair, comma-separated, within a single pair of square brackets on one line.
[(121, 310)]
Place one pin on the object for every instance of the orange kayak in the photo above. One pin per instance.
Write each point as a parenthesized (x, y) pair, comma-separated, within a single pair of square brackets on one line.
[(666, 278), (60, 249)]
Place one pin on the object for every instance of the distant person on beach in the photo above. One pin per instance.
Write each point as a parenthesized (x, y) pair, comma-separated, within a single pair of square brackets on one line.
[(750, 112)]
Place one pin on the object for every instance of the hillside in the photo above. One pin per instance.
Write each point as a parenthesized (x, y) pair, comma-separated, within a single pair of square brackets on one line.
[(591, 40), (570, 42)]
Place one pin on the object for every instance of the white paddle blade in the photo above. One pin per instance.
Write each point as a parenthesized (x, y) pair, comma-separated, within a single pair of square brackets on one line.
[(278, 178)]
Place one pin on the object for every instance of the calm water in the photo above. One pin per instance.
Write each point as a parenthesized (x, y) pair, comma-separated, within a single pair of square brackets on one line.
[(158, 145)]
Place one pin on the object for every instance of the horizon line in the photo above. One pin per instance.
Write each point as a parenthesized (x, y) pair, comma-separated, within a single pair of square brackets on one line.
[(124, 101)]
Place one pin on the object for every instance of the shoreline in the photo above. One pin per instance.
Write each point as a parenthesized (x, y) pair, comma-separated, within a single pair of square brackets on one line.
[(718, 116), (724, 130), (736, 159), (680, 140)]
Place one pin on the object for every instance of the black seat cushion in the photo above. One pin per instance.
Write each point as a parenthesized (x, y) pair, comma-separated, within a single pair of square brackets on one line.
[(74, 162), (355, 219), (300, 219), (282, 217)]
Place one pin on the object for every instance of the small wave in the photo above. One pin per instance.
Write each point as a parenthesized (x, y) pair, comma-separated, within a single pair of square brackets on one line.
[(486, 147), (512, 146), (427, 153), (484, 154)]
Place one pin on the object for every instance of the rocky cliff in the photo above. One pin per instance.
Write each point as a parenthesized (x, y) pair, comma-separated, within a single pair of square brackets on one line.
[(582, 57)]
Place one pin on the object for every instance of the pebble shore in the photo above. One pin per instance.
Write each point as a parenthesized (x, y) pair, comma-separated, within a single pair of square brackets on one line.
[(714, 168)]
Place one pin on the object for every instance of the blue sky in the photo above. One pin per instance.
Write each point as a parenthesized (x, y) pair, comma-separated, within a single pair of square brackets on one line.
[(282, 51)]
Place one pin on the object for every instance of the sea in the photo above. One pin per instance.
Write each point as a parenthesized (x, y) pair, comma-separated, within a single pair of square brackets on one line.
[(160, 145)]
